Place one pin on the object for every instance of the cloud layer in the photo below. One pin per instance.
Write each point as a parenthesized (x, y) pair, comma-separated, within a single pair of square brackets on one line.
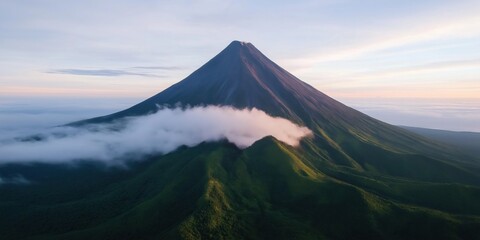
[(341, 40), (446, 114), (16, 180), (101, 72), (158, 133)]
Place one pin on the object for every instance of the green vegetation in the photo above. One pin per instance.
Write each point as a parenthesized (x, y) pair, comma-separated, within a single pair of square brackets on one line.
[(217, 191), (469, 142), (356, 178)]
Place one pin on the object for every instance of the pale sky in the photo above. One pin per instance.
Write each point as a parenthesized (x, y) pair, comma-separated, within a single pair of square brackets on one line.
[(428, 49), (369, 49)]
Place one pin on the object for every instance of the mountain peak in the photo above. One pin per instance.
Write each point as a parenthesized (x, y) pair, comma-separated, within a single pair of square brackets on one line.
[(237, 42), (237, 48), (243, 77)]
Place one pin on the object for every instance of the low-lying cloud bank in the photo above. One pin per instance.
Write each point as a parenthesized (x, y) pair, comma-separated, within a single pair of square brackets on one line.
[(14, 180), (158, 133)]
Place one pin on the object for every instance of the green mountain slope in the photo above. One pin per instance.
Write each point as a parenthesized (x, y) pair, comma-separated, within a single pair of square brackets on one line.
[(267, 191), (469, 142), (355, 178), (243, 77)]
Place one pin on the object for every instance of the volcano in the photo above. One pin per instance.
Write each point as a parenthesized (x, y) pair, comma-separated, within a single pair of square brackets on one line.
[(356, 178)]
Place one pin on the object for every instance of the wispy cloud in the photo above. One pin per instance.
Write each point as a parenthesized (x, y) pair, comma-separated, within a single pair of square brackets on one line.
[(432, 67), (429, 67), (158, 133), (384, 38), (16, 180), (102, 72), (144, 38), (159, 67)]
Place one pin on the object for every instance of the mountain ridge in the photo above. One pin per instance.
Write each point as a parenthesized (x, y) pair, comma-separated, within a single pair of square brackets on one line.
[(356, 178), (243, 77)]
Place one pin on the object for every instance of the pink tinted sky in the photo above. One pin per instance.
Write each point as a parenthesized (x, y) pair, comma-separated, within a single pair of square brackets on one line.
[(348, 49)]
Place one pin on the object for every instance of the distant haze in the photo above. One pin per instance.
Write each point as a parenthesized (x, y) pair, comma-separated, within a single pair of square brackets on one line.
[(345, 48), (158, 133), (446, 114), (27, 115)]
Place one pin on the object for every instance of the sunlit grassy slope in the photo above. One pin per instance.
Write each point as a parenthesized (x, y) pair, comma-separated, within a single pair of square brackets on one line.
[(217, 191), (354, 178), (468, 142)]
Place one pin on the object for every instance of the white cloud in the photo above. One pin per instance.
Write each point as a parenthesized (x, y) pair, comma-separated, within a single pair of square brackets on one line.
[(16, 179), (158, 133), (409, 33)]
